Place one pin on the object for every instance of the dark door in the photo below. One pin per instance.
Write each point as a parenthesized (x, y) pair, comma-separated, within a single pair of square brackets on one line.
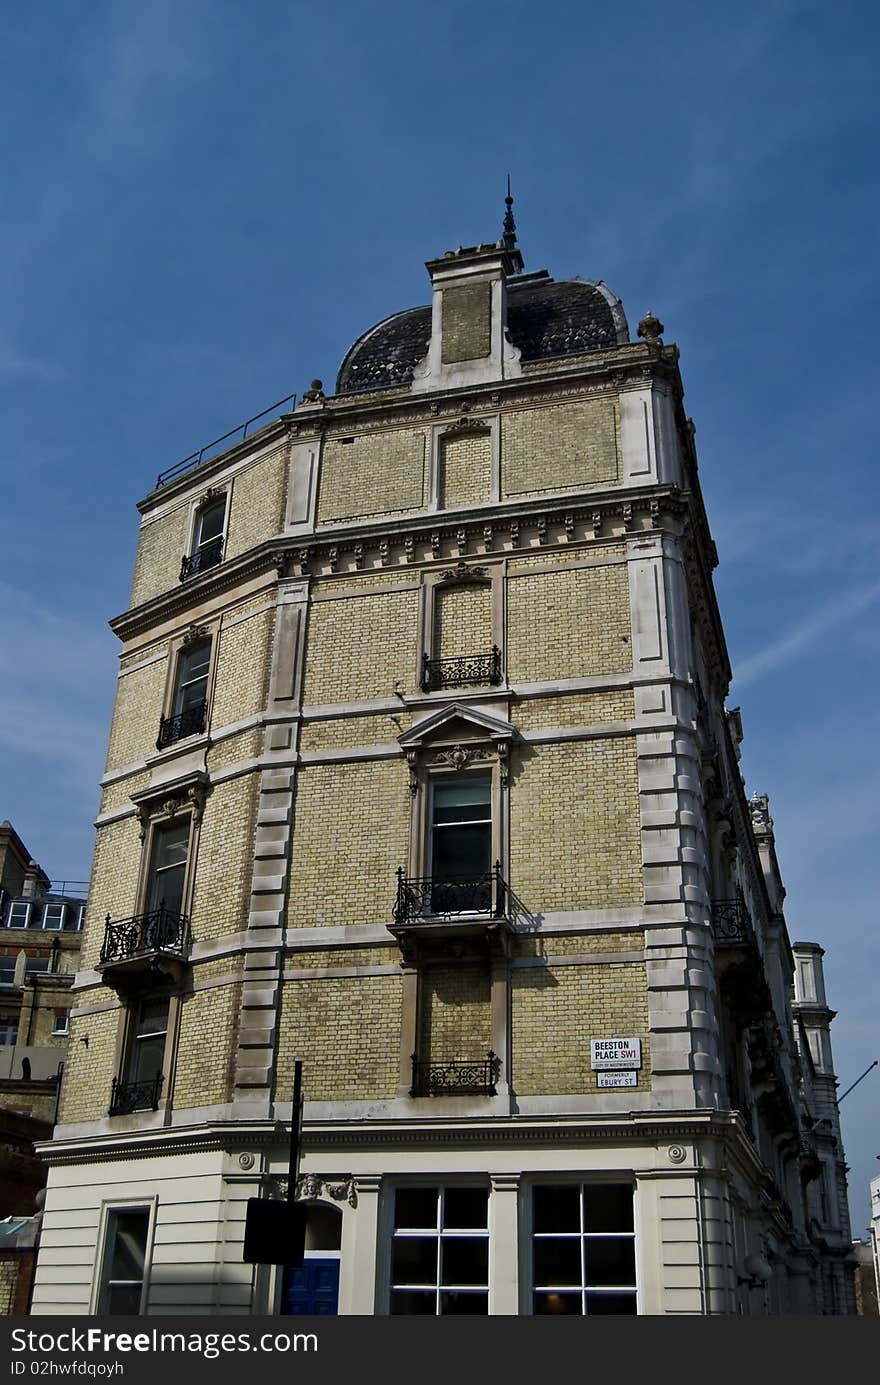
[(312, 1290)]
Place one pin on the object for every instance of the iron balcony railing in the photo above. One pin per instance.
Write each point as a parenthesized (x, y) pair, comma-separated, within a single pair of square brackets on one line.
[(160, 930), (182, 724), (460, 1077), (209, 555), (127, 1097), (731, 924), (424, 897), (461, 672)]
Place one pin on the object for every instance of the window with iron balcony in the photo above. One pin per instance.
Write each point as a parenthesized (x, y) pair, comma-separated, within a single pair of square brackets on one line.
[(190, 703), (207, 549)]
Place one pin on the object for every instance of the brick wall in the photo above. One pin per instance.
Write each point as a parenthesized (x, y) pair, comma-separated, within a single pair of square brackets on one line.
[(574, 825), (358, 648), (465, 470), (454, 1018), (557, 1011), (161, 547), (89, 1069), (136, 715), (257, 508), (343, 733), (347, 1032), (242, 669), (573, 623), (559, 447), (221, 899), (577, 709), (206, 1051), (466, 322), (463, 620), (350, 835), (375, 474), (113, 885)]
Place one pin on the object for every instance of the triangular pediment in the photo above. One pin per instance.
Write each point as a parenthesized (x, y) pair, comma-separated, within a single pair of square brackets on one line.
[(457, 722)]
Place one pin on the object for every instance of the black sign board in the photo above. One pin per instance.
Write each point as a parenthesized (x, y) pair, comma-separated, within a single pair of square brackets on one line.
[(274, 1233)]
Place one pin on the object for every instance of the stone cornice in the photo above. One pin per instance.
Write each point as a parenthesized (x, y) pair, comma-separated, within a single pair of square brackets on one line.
[(387, 545), (399, 1133)]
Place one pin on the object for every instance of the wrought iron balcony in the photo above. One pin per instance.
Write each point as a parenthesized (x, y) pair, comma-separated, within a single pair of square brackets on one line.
[(127, 1097), (457, 1078), (423, 898), (159, 931), (461, 672), (188, 723), (209, 555), (731, 924)]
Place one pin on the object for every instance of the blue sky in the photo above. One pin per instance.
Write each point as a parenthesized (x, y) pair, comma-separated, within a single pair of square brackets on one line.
[(206, 202)]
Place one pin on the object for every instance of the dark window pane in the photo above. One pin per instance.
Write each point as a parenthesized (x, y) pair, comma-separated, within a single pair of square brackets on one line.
[(608, 1207), (211, 518), (123, 1300), (414, 1260), (461, 852), (462, 800), (464, 1305), (153, 1017), (557, 1303), (556, 1207), (194, 662), (558, 1261), (610, 1261), (128, 1245), (464, 1260), (465, 1207), (415, 1208), (412, 1303), (147, 1056), (609, 1305)]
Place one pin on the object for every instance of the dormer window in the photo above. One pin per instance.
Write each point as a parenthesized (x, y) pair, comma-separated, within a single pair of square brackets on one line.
[(207, 547)]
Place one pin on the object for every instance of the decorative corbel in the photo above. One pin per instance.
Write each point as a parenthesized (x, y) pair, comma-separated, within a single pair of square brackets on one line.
[(194, 633), (504, 763), (333, 559), (488, 537), (412, 759), (383, 553), (597, 524), (359, 555)]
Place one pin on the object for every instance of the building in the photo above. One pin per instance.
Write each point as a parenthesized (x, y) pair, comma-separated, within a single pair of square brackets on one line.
[(39, 953), (420, 771)]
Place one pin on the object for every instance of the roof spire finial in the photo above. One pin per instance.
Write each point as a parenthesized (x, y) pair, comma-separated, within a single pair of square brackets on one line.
[(509, 223)]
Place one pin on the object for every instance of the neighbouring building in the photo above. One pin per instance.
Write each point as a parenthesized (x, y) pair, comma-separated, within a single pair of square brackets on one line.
[(40, 925), (420, 771)]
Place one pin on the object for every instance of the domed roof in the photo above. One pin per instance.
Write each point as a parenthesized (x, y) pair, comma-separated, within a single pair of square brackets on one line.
[(544, 319)]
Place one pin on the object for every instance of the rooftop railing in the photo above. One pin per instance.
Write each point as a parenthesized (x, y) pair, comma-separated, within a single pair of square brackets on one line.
[(234, 435)]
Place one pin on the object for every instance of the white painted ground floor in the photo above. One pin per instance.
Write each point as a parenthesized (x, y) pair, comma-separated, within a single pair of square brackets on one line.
[(564, 1215)]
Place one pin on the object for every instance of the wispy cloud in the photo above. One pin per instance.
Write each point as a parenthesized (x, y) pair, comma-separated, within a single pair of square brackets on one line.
[(800, 636)]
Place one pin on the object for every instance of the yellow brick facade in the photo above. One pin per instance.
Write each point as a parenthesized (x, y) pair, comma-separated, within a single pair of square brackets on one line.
[(345, 1059), (574, 825), (206, 1051), (559, 447), (256, 510), (225, 856), (576, 709), (113, 888), (359, 648), (454, 1013), (90, 1068), (373, 474), (558, 1010), (136, 716), (574, 623), (351, 828), (465, 470), (463, 620), (242, 671), (344, 733), (161, 548)]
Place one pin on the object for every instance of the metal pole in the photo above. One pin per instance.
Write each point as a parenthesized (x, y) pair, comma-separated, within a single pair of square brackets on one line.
[(295, 1130), (858, 1080)]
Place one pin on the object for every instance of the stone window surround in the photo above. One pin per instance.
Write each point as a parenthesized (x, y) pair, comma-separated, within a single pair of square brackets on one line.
[(108, 1207), (199, 503), (483, 573), (462, 427), (202, 630)]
